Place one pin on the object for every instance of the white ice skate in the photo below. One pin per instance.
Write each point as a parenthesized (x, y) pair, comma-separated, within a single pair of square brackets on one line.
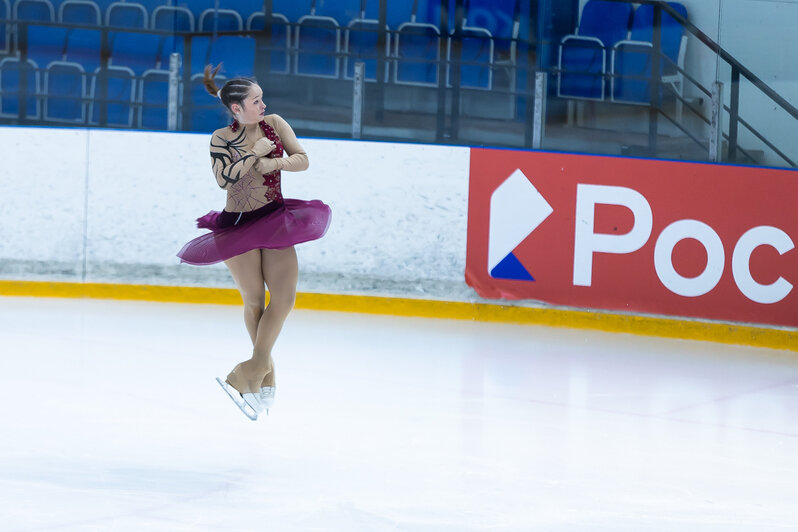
[(249, 403), (267, 397)]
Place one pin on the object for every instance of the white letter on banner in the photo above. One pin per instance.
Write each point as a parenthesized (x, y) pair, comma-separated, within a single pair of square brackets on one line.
[(586, 242), (752, 239), (663, 251)]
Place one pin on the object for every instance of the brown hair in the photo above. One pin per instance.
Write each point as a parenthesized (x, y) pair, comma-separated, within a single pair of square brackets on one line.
[(234, 91)]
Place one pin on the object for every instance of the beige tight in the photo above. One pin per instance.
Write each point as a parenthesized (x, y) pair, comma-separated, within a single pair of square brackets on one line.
[(276, 269)]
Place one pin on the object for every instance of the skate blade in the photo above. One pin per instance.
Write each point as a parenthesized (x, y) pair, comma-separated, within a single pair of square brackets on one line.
[(238, 400)]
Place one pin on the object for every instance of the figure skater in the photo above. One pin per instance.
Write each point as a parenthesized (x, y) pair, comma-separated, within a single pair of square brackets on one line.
[(256, 232)]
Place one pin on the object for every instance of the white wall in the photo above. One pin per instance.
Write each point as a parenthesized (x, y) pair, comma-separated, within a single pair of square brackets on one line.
[(763, 36), (398, 227)]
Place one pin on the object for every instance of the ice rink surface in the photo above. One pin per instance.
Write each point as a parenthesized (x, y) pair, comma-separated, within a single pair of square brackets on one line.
[(112, 421)]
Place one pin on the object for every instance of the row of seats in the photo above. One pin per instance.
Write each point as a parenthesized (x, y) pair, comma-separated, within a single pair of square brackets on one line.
[(63, 79), (63, 64), (316, 49), (318, 45), (140, 14), (236, 15), (614, 42)]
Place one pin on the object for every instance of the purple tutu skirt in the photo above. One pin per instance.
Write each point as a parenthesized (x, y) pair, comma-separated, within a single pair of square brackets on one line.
[(277, 225)]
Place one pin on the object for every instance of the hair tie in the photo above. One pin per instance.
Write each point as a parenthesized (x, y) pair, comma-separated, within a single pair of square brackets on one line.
[(219, 94)]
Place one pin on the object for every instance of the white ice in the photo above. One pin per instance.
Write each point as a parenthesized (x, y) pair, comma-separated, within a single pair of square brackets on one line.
[(111, 420)]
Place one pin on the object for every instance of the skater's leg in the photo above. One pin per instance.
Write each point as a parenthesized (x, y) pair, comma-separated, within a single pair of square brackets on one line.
[(247, 271), (280, 272), (247, 274)]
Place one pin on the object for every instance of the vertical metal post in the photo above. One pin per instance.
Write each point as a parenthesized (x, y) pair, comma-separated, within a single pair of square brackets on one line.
[(654, 88), (383, 41), (187, 102), (24, 68), (357, 99), (539, 118), (102, 77), (443, 67), (263, 44), (716, 123), (456, 50), (538, 37), (174, 93), (734, 106)]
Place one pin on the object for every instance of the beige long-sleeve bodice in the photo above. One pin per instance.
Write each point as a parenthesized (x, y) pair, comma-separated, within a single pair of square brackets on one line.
[(251, 180)]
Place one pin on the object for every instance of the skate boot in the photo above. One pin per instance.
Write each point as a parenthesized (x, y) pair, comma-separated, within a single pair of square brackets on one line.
[(249, 403), (267, 397)]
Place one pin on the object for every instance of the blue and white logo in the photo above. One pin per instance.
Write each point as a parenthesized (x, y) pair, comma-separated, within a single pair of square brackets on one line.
[(516, 209)]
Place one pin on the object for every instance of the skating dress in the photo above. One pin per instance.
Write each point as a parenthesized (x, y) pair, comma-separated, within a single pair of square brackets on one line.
[(256, 215)]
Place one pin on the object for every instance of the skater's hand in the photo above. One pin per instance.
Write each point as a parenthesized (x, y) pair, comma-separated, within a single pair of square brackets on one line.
[(262, 147), (266, 165)]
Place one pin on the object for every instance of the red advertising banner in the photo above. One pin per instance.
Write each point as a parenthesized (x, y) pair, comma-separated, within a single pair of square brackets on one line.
[(663, 237)]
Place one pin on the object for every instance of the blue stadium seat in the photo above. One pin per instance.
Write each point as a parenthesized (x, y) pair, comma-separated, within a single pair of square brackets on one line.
[(583, 56), (136, 51), (476, 58), (195, 6), (220, 20), (10, 76), (497, 16), (5, 13), (168, 45), (237, 54), (632, 57), (83, 47), (153, 95), (103, 5), (417, 52), (281, 39), (152, 5), (398, 13), (120, 97), (200, 52), (33, 10), (372, 10), (126, 15), (173, 18), (245, 8), (292, 9), (360, 44), (317, 43), (502, 19), (46, 44), (64, 90), (343, 11), (430, 13), (83, 12)]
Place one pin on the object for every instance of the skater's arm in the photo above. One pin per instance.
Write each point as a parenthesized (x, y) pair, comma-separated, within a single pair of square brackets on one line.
[(230, 158), (297, 159)]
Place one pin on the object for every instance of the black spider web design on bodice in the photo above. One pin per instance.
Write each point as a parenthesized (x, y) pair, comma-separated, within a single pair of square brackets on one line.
[(232, 172), (245, 196)]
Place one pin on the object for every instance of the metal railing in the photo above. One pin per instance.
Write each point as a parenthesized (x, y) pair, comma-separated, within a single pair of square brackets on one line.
[(713, 93)]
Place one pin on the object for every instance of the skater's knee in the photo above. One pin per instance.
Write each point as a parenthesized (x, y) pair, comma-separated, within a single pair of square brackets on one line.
[(254, 301), (282, 302)]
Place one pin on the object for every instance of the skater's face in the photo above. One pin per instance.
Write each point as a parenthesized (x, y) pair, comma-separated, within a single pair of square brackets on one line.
[(252, 107)]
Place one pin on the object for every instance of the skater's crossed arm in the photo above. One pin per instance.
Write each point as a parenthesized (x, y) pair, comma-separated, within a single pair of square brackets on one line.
[(231, 159), (297, 159)]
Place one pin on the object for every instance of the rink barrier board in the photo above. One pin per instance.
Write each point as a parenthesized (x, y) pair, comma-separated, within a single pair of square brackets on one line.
[(728, 333)]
